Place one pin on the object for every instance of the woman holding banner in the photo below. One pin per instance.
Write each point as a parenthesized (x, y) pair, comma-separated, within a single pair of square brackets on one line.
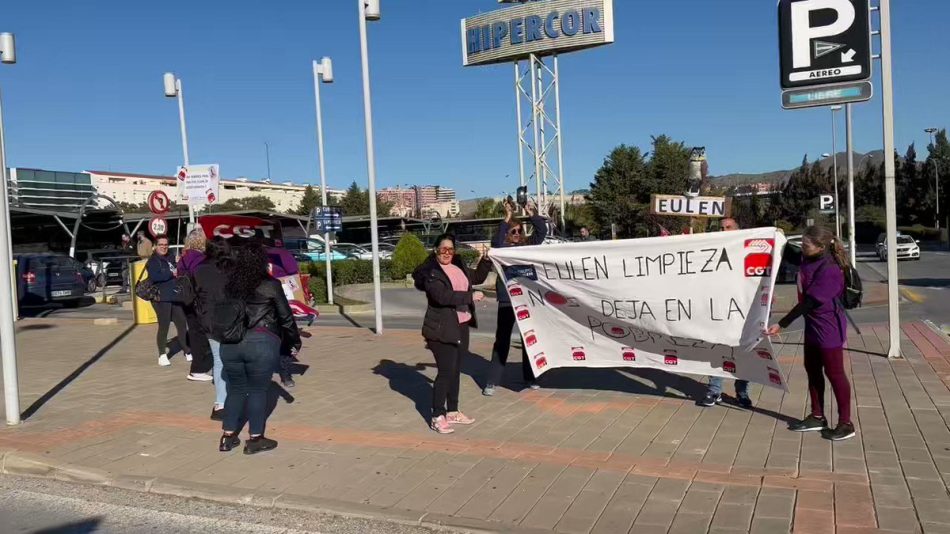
[(511, 234), (821, 283), (448, 283)]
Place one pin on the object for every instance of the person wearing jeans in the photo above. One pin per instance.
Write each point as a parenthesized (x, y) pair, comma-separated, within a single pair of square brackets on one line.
[(250, 363), (714, 390), (211, 278)]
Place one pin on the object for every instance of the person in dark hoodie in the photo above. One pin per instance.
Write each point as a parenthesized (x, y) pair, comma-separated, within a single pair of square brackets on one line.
[(821, 284), (448, 282), (211, 278), (193, 255), (511, 234)]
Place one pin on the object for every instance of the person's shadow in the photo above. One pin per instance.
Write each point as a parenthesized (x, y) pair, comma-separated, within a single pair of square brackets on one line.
[(409, 381)]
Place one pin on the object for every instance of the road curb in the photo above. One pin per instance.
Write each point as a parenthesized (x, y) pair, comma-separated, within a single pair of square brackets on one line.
[(18, 463)]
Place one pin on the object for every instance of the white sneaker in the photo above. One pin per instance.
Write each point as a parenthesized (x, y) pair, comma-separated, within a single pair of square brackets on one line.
[(188, 357), (163, 360), (200, 377)]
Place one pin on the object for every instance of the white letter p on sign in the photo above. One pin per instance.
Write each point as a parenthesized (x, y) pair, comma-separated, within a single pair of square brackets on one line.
[(826, 202), (803, 32)]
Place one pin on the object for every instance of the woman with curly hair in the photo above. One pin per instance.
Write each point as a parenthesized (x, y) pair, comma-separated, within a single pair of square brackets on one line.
[(250, 363), (193, 255)]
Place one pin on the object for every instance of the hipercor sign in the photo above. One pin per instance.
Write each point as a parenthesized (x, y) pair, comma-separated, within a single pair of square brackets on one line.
[(540, 28)]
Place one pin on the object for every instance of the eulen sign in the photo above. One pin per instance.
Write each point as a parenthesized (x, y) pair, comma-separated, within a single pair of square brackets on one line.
[(686, 206), (539, 28)]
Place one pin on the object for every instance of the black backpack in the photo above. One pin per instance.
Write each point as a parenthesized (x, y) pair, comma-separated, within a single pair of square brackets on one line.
[(853, 290), (228, 320)]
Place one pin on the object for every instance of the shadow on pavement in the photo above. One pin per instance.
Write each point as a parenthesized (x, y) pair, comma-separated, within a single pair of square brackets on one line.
[(408, 381), (925, 282), (633, 381), (83, 526), (33, 408)]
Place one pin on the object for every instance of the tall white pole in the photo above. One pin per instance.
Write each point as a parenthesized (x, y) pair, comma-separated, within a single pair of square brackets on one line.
[(323, 178), (11, 390), (534, 118), (520, 127), (834, 154), (184, 138), (371, 168), (890, 188), (560, 137), (851, 225), (933, 143)]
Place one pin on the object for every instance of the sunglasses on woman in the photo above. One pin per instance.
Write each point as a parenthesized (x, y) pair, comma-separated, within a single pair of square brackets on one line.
[(446, 250), (514, 231)]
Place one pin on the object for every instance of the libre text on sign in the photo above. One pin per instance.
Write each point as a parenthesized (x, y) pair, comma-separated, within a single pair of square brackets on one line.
[(198, 184), (540, 28), (686, 206), (694, 304), (824, 42)]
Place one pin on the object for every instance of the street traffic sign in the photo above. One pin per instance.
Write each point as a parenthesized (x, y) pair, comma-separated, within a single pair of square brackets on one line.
[(158, 202), (824, 42), (827, 95), (826, 203), (157, 226)]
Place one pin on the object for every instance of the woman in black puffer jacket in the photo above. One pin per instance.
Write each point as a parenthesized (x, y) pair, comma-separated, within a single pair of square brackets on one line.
[(448, 283)]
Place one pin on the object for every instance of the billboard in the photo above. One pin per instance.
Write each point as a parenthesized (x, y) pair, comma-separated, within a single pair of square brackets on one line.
[(540, 28)]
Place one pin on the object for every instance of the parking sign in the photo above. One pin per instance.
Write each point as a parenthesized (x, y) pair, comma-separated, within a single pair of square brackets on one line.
[(824, 42)]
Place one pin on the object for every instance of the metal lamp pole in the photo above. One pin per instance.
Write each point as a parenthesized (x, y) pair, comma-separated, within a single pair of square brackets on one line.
[(834, 154), (369, 10), (174, 89), (323, 72), (933, 143), (11, 390)]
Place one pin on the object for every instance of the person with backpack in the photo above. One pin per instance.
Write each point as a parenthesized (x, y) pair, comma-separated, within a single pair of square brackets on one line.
[(511, 234), (448, 282), (821, 288), (161, 274), (211, 277), (251, 322)]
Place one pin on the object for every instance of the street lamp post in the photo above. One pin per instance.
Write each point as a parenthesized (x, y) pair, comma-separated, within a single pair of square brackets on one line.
[(834, 152), (933, 143), (323, 72), (174, 89), (369, 11), (11, 388)]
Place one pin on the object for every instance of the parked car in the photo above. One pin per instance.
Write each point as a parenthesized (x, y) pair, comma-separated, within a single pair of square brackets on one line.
[(360, 252), (49, 277), (313, 249), (389, 248), (908, 248), (111, 262)]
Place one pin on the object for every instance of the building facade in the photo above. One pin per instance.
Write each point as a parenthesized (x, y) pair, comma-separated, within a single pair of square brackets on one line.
[(53, 190), (135, 188), (420, 200)]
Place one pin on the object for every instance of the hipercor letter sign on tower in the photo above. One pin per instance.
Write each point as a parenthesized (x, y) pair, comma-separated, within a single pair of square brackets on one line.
[(536, 28)]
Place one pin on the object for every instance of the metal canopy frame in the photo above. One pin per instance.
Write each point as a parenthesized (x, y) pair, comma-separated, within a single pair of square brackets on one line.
[(540, 144)]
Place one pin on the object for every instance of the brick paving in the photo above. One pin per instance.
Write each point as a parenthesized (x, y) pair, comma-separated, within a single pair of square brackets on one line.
[(601, 451)]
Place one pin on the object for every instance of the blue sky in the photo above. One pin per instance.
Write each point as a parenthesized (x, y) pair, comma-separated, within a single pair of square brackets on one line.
[(87, 91)]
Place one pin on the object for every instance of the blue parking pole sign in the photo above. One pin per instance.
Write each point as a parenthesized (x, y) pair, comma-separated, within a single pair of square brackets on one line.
[(328, 219)]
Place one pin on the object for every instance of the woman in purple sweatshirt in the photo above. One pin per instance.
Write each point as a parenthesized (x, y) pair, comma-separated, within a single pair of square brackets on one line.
[(821, 284), (192, 256)]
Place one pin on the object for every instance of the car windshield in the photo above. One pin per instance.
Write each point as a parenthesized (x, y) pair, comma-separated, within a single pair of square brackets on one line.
[(904, 240)]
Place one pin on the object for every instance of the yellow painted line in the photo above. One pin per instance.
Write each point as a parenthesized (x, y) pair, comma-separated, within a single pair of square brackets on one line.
[(913, 296)]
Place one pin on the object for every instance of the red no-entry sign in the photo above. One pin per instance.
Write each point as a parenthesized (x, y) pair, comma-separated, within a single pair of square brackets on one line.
[(158, 203)]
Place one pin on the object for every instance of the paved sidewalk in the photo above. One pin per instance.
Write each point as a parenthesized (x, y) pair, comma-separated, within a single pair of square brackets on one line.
[(595, 451)]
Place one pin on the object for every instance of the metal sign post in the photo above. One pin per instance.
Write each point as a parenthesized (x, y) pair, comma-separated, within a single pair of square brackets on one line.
[(890, 189), (323, 71), (11, 390), (851, 226)]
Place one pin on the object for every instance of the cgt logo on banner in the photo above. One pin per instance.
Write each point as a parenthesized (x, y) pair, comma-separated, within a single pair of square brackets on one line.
[(693, 304)]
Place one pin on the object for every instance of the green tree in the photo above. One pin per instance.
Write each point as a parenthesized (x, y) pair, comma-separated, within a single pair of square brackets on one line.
[(799, 197), (409, 254), (938, 165), (488, 208), (252, 203), (617, 194), (356, 202), (309, 201)]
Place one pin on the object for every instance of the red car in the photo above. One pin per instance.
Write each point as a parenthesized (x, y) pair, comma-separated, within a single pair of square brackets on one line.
[(515, 290), (578, 354), (670, 358), (522, 313), (530, 339), (629, 355)]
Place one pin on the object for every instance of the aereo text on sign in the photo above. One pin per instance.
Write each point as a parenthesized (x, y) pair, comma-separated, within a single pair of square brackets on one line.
[(536, 28)]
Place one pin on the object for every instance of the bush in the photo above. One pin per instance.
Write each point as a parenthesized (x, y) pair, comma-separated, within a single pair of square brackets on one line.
[(409, 254), (920, 232), (348, 272), (318, 288), (468, 256)]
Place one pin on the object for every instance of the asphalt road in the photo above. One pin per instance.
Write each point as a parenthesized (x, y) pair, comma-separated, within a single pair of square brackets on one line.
[(37, 506)]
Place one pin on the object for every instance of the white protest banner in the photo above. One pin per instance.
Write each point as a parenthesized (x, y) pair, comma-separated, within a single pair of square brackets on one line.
[(198, 184), (694, 304)]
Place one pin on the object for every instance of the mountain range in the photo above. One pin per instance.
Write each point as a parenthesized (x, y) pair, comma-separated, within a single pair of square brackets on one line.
[(780, 176)]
